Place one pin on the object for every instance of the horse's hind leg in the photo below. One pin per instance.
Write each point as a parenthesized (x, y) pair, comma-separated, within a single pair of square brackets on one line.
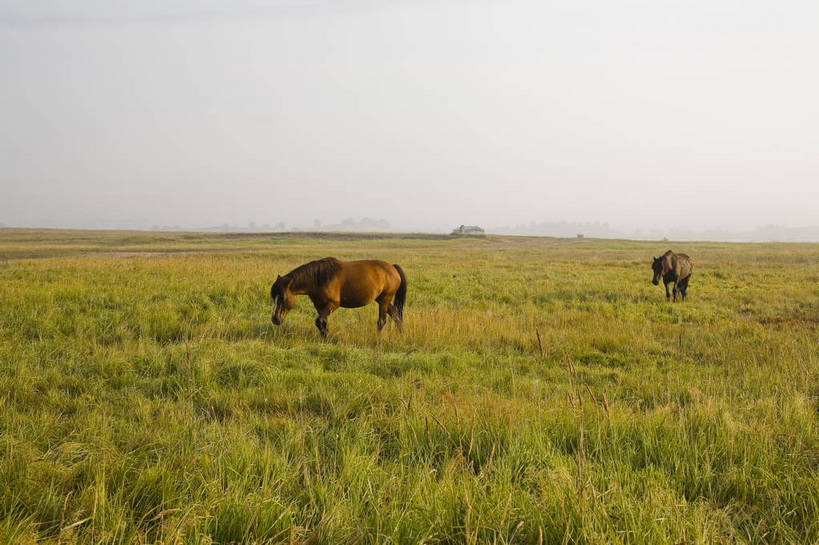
[(384, 304), (684, 287), (393, 312)]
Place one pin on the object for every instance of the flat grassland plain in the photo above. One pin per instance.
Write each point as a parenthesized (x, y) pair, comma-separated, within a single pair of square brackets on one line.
[(147, 398)]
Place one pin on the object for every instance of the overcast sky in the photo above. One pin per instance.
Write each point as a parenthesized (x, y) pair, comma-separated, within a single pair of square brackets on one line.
[(696, 113)]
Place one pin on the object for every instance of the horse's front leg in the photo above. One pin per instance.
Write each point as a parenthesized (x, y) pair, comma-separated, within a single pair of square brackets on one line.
[(324, 310), (667, 294)]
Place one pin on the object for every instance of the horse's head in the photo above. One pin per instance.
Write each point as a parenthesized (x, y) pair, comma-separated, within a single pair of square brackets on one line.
[(283, 299), (657, 267)]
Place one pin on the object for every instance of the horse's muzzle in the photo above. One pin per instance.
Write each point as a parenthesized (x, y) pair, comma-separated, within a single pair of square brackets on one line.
[(655, 282), (276, 320)]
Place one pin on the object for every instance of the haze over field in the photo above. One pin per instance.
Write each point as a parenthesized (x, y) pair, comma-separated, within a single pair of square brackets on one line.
[(651, 116)]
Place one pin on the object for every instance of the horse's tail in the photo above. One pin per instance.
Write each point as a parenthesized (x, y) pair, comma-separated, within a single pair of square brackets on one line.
[(401, 294)]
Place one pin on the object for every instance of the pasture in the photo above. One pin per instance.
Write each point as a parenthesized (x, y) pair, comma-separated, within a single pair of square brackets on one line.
[(543, 391)]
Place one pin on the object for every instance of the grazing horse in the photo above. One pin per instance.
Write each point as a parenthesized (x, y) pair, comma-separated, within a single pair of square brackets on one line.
[(331, 283), (673, 268)]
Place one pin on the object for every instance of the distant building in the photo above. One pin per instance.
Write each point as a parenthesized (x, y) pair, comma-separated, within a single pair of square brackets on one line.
[(468, 230)]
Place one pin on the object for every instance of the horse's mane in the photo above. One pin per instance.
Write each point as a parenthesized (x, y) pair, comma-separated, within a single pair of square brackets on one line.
[(679, 256), (318, 272)]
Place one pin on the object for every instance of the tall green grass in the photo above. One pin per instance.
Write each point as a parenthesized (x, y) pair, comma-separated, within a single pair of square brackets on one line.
[(543, 391)]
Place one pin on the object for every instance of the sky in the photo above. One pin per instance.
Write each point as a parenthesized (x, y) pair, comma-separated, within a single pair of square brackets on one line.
[(429, 114)]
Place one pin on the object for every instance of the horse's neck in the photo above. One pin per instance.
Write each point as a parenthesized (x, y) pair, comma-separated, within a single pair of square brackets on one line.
[(299, 286)]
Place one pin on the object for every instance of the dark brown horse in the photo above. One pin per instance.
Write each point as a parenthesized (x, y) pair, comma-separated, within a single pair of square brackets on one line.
[(331, 283), (674, 268)]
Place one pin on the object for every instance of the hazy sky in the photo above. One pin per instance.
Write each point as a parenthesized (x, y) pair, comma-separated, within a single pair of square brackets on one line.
[(696, 113)]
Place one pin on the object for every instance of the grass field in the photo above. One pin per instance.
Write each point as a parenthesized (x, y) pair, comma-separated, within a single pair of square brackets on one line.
[(543, 391)]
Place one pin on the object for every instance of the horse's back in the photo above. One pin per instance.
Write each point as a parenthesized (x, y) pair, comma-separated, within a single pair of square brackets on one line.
[(361, 282), (684, 265), (368, 267)]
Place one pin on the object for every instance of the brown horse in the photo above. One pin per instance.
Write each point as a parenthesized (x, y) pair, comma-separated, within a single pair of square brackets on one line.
[(331, 283), (672, 268)]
